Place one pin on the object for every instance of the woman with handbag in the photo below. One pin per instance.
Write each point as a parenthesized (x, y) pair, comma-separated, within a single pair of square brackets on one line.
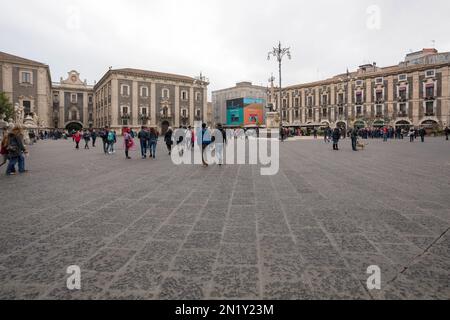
[(128, 141)]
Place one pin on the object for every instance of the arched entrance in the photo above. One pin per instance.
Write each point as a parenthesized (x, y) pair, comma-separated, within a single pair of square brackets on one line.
[(164, 127), (403, 124), (359, 124), (341, 125), (430, 126), (378, 123), (74, 126)]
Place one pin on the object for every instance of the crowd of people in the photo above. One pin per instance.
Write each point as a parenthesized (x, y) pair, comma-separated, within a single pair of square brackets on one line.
[(13, 143)]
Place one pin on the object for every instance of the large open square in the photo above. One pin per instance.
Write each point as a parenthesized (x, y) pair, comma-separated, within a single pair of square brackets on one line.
[(147, 229)]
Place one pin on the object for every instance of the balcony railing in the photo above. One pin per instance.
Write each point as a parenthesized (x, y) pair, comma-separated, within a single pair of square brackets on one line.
[(429, 114), (429, 97), (402, 114), (125, 116)]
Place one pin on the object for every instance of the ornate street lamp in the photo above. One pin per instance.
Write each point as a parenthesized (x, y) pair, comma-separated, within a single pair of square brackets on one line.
[(279, 53)]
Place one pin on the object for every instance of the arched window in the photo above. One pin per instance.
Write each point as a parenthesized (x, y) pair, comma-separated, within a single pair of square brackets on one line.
[(184, 95)]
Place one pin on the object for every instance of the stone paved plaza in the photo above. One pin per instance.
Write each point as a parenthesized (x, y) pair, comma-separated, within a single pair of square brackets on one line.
[(144, 229)]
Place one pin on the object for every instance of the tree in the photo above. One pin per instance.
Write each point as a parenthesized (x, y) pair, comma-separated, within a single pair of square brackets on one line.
[(6, 107)]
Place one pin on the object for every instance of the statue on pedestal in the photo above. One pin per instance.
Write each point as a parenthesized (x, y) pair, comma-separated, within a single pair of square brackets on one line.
[(18, 114)]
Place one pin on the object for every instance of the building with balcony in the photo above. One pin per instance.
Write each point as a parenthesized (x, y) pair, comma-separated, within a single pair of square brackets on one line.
[(133, 98), (416, 92)]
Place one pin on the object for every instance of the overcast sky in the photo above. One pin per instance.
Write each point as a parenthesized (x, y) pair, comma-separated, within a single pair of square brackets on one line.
[(227, 40)]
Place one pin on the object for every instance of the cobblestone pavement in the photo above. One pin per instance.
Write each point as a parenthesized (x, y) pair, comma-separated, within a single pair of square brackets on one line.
[(146, 229)]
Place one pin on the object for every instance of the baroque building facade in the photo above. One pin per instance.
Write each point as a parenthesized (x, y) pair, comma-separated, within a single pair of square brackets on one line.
[(415, 92), (133, 98), (27, 83), (73, 103)]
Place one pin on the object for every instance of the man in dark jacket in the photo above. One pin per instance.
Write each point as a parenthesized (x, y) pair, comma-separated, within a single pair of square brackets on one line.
[(354, 136), (336, 136), (422, 134), (447, 132), (104, 136), (143, 137)]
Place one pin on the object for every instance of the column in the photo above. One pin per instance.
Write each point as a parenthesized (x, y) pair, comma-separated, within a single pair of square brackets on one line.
[(205, 104), (416, 104), (114, 103), (62, 103), (85, 110), (7, 82), (177, 106), (191, 106), (134, 103), (445, 98), (153, 104), (390, 110)]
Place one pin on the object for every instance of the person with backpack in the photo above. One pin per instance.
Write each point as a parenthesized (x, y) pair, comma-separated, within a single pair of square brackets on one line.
[(112, 139), (87, 138), (143, 139), (15, 150), (77, 139), (152, 141), (168, 140), (104, 135)]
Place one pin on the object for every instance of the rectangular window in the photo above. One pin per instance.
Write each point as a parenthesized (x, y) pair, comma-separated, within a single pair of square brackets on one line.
[(429, 91), (358, 110), (379, 95), (379, 110), (125, 110), (296, 102), (310, 102), (324, 100), (402, 93), (379, 80), (341, 98), (429, 109), (402, 110), (26, 77), (359, 97), (125, 90), (430, 73), (359, 83), (402, 77), (73, 98), (310, 113), (324, 112), (341, 111)]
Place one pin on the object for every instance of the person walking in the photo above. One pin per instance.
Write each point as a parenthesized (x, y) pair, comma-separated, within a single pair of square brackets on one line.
[(385, 134), (422, 134), (412, 133), (77, 139), (112, 139), (168, 140), (128, 142), (220, 138), (3, 149), (143, 139), (354, 136), (15, 150), (152, 142), (104, 136), (87, 138), (315, 133), (94, 137), (204, 139), (336, 136), (447, 133)]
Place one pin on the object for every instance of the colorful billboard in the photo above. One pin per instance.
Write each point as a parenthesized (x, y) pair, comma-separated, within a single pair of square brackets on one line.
[(245, 112)]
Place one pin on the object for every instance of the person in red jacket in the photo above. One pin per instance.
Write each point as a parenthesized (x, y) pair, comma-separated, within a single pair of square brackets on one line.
[(77, 139)]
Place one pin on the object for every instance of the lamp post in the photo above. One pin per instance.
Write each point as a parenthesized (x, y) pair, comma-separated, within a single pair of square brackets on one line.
[(279, 53)]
